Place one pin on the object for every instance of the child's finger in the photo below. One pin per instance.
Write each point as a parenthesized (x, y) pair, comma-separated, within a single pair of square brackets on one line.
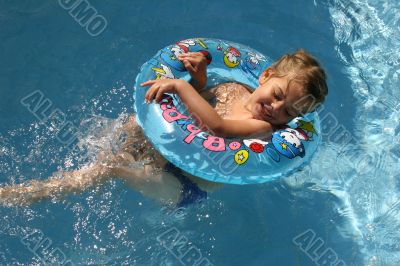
[(186, 55), (182, 57), (159, 95), (195, 54), (148, 83), (193, 59), (146, 96), (150, 93), (188, 66), (149, 96)]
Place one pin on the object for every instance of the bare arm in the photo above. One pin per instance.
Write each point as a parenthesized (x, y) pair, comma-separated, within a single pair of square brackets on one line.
[(200, 110), (196, 64), (208, 118)]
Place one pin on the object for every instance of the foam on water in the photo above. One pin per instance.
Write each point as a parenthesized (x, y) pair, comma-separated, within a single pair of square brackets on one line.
[(108, 223), (367, 35)]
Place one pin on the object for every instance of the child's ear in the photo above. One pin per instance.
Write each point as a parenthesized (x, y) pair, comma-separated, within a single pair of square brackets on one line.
[(265, 75)]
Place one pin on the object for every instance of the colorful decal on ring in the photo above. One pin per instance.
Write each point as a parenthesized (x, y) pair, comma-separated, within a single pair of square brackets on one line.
[(235, 145), (241, 156), (251, 63), (163, 72), (231, 55), (286, 142)]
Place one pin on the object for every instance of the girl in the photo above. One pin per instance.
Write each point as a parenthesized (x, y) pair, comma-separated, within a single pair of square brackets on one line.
[(293, 85)]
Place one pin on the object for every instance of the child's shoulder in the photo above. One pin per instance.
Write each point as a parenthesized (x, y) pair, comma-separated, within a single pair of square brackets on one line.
[(224, 91), (230, 88)]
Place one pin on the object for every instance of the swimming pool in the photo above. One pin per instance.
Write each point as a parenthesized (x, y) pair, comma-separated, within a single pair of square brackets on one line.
[(345, 204)]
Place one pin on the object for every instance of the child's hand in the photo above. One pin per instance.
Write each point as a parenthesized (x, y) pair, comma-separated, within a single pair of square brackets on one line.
[(196, 64), (159, 87)]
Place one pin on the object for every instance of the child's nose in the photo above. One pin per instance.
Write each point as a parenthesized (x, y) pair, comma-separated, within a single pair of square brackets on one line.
[(277, 107)]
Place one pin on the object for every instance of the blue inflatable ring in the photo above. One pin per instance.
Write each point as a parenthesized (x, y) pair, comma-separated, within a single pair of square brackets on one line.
[(236, 161)]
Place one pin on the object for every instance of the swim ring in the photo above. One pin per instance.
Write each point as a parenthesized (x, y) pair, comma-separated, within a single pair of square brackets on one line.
[(228, 160)]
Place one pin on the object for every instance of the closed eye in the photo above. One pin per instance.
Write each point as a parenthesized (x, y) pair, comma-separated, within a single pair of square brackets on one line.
[(277, 95), (289, 114)]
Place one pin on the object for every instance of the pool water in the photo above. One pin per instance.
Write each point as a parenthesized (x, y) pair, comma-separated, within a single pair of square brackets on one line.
[(342, 209)]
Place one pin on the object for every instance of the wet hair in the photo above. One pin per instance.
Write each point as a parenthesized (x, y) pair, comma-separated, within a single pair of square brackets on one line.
[(304, 69)]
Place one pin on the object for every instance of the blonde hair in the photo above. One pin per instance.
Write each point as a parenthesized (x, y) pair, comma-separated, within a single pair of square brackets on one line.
[(306, 70)]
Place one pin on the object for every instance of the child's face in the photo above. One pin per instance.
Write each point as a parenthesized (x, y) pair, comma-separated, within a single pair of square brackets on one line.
[(274, 99)]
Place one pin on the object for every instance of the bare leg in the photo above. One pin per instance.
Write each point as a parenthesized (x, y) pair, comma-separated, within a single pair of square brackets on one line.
[(143, 173), (151, 182), (58, 185), (147, 175)]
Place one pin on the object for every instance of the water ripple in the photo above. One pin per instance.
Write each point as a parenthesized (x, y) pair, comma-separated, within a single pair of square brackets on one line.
[(371, 33)]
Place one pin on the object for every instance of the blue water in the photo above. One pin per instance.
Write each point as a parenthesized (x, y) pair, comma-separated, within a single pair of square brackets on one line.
[(346, 201)]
